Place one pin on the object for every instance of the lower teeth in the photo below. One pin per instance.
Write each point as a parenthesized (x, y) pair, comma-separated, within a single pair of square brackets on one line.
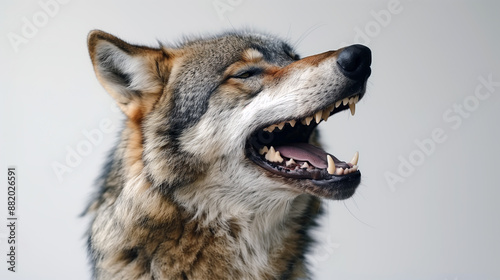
[(292, 165), (289, 164)]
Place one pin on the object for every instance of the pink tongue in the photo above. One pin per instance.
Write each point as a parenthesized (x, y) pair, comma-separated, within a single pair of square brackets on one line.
[(305, 152)]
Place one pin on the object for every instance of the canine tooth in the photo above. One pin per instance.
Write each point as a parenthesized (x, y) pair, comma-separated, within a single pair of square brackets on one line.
[(263, 150), (308, 120), (318, 116), (352, 107), (351, 100), (290, 162), (345, 101), (331, 165), (354, 168), (356, 99), (292, 122), (281, 125), (305, 165), (337, 104), (354, 160)]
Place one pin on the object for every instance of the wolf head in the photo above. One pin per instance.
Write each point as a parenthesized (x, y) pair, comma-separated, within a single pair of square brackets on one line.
[(231, 115)]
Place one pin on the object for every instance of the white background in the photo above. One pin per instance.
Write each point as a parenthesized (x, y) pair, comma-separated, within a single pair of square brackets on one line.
[(439, 221)]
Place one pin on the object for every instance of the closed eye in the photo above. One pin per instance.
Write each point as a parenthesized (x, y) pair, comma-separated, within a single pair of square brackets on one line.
[(244, 75), (247, 73)]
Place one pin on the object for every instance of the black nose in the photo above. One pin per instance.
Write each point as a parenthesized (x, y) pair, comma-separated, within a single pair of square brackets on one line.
[(354, 61)]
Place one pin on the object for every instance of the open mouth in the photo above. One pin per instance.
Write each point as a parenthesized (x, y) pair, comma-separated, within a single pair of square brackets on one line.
[(285, 149)]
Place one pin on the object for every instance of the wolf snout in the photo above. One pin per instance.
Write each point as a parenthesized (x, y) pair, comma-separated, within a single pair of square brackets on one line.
[(354, 62)]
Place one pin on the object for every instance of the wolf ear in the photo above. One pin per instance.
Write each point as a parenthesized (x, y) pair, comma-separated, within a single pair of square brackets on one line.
[(131, 74)]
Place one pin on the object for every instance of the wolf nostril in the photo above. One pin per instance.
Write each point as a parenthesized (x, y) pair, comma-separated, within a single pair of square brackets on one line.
[(354, 61)]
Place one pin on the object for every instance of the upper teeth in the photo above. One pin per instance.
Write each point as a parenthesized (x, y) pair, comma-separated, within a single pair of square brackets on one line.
[(327, 111), (352, 107), (307, 120), (280, 125), (319, 115)]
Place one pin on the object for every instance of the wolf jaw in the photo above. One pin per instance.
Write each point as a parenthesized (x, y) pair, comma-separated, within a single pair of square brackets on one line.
[(284, 148)]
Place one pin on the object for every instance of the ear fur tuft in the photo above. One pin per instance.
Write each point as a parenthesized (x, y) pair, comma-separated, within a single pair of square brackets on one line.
[(128, 72)]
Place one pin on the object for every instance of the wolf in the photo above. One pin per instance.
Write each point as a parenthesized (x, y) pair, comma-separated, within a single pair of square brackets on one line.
[(218, 173)]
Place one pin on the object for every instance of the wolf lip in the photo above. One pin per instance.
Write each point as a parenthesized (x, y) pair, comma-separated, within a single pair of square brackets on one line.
[(283, 149)]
